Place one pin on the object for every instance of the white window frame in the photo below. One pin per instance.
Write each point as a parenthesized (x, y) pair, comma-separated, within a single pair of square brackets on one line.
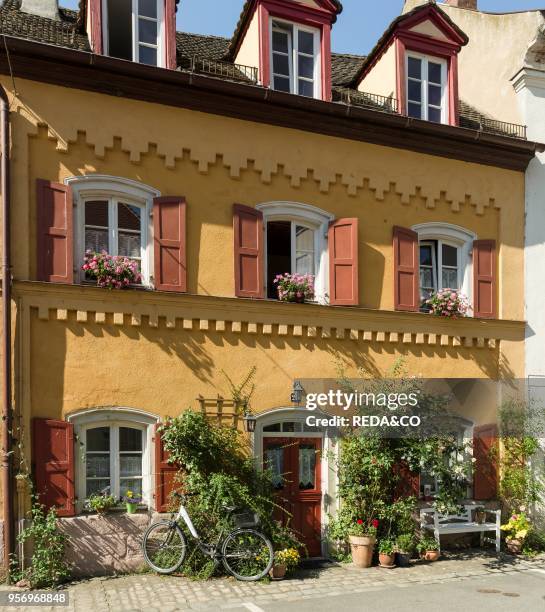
[(313, 218), (111, 188), (456, 236), (113, 418), (426, 59), (161, 46), (293, 30)]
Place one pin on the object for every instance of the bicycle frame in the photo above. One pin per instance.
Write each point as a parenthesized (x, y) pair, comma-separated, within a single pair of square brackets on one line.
[(210, 550)]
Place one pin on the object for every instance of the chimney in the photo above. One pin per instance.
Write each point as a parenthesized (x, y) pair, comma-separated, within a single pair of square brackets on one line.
[(464, 4), (41, 8)]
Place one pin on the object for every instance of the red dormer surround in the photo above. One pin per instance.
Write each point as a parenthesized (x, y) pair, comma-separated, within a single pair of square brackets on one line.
[(401, 34), (321, 17), (94, 22)]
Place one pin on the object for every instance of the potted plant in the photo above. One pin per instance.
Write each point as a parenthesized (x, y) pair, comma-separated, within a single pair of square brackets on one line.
[(362, 537), (448, 303), (100, 503), (480, 515), (428, 549), (284, 561), (405, 548), (386, 554), (111, 272), (516, 530), (132, 502), (295, 287)]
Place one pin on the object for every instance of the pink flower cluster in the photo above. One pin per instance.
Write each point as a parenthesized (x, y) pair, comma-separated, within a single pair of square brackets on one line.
[(111, 272), (448, 303), (295, 287)]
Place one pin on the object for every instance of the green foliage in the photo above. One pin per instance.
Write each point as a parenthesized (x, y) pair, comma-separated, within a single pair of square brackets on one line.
[(386, 547), (405, 543), (48, 567), (534, 544), (241, 393), (217, 471), (521, 480), (100, 502), (427, 543)]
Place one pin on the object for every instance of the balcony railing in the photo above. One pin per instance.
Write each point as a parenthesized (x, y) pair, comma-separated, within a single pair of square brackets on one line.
[(365, 100), (223, 70), (472, 119)]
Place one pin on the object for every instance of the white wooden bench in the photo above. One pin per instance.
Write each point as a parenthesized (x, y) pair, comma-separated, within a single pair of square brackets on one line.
[(463, 523)]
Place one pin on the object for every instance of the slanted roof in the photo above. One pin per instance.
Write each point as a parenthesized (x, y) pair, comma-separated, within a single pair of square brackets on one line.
[(64, 32), (344, 68), (246, 14), (418, 14)]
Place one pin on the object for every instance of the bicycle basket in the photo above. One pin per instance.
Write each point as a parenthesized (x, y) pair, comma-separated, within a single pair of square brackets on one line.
[(246, 520)]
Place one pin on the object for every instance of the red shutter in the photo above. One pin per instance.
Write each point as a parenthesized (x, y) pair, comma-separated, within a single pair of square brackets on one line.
[(248, 233), (408, 483), (53, 459), (55, 253), (165, 473), (169, 226), (485, 474), (484, 279), (343, 262), (406, 270)]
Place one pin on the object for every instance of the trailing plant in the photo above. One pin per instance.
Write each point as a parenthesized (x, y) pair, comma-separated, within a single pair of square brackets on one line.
[(241, 393), (295, 287), (521, 480), (48, 567), (448, 303), (216, 469), (111, 271)]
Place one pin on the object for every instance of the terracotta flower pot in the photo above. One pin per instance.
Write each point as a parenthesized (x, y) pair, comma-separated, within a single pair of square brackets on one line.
[(387, 561), (362, 548), (514, 546), (480, 516), (431, 555), (278, 572)]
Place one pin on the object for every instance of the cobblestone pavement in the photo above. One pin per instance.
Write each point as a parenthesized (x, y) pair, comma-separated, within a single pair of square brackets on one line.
[(166, 594)]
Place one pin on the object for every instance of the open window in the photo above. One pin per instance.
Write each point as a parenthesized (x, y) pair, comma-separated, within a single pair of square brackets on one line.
[(295, 59), (295, 242), (133, 30)]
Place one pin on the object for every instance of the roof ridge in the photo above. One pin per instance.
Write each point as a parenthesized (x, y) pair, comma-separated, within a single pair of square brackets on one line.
[(203, 35)]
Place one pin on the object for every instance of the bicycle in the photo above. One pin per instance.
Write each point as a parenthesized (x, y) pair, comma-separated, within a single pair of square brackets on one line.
[(245, 552)]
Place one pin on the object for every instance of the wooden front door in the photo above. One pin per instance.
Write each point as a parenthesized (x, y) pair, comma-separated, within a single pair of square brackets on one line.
[(296, 466)]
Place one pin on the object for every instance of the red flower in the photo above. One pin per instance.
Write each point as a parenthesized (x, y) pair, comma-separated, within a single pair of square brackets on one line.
[(360, 522), (375, 523)]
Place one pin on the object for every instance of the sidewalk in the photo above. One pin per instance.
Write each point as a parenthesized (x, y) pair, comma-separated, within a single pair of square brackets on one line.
[(165, 594)]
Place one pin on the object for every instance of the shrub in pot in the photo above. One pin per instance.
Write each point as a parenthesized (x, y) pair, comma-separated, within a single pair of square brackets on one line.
[(386, 553), (405, 548), (428, 549), (362, 537)]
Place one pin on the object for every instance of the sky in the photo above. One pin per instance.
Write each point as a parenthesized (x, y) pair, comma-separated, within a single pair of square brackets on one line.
[(358, 28)]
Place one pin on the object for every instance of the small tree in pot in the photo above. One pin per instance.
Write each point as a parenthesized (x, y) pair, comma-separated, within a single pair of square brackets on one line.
[(363, 537)]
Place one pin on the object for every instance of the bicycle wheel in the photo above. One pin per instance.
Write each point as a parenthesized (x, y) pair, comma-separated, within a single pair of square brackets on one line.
[(247, 555), (164, 547)]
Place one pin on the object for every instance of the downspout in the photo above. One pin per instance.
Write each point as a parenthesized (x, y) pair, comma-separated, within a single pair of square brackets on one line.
[(5, 479)]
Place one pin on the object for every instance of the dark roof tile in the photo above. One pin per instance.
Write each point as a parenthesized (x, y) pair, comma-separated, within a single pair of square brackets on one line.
[(63, 33), (344, 68)]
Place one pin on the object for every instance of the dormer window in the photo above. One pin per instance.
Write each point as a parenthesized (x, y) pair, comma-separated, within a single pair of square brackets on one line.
[(295, 59), (133, 30), (426, 88)]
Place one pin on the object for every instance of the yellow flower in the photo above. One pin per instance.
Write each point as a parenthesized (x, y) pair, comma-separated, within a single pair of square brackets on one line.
[(520, 535), (129, 493)]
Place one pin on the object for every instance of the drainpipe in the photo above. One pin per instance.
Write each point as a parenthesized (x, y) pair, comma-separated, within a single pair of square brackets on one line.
[(5, 479)]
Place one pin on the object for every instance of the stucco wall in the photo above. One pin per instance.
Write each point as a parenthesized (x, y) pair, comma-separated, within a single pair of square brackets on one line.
[(381, 80), (248, 54)]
